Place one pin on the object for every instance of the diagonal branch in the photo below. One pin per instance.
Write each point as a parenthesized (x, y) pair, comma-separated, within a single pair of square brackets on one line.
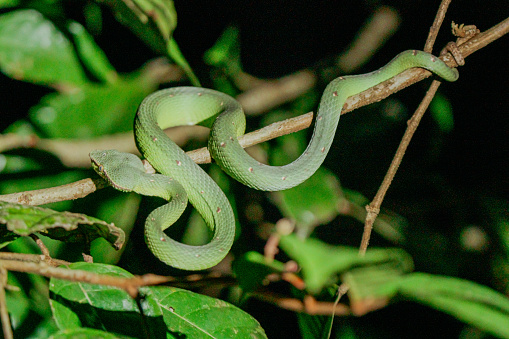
[(84, 187), (373, 208)]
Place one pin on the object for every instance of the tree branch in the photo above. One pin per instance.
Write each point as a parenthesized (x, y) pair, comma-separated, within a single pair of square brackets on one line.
[(373, 208), (84, 187)]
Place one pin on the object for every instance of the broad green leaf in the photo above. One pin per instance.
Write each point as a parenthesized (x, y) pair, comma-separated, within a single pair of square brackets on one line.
[(225, 48), (469, 302), (91, 55), (33, 50), (312, 203), (18, 303), (92, 109), (197, 316), (321, 263), (153, 21), (176, 55), (21, 220), (472, 303), (76, 304), (45, 328), (372, 284), (252, 268), (168, 312), (84, 333), (225, 56)]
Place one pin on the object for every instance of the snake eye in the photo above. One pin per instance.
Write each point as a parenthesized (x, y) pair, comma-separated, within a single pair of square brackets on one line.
[(100, 168)]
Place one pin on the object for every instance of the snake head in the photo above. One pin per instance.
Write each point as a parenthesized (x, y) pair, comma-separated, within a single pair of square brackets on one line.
[(121, 170)]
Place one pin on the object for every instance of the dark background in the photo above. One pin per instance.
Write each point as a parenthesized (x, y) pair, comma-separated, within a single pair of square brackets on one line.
[(438, 193)]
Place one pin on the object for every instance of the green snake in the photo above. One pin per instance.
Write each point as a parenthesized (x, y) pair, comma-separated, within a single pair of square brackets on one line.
[(181, 178)]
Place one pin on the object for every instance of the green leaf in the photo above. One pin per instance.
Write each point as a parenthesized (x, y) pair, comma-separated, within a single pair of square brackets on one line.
[(45, 328), (153, 21), (472, 303), (92, 109), (18, 303), (197, 316), (225, 48), (22, 220), (32, 49), (373, 282), (168, 312), (321, 263), (312, 203), (76, 304), (252, 268), (91, 55), (177, 56), (84, 333)]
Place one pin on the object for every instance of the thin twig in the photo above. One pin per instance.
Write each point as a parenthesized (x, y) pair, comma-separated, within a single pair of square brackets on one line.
[(74, 190), (309, 305), (342, 290), (437, 23), (4, 313), (44, 250), (34, 263), (33, 258), (373, 208), (130, 285)]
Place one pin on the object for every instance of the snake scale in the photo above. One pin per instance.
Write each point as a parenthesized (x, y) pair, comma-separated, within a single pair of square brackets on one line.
[(181, 179)]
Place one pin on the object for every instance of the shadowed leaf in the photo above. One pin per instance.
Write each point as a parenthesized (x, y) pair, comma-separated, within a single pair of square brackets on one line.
[(168, 312), (22, 220)]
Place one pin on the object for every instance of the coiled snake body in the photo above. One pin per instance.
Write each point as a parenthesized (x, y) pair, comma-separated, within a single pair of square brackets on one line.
[(181, 178)]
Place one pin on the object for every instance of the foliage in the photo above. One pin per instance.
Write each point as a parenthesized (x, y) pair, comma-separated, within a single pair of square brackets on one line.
[(167, 312), (85, 97), (20, 220)]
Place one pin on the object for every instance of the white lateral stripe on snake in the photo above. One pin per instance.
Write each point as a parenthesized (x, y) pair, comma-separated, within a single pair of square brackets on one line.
[(180, 175)]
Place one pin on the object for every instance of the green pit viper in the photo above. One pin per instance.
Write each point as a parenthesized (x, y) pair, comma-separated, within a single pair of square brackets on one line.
[(182, 179)]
